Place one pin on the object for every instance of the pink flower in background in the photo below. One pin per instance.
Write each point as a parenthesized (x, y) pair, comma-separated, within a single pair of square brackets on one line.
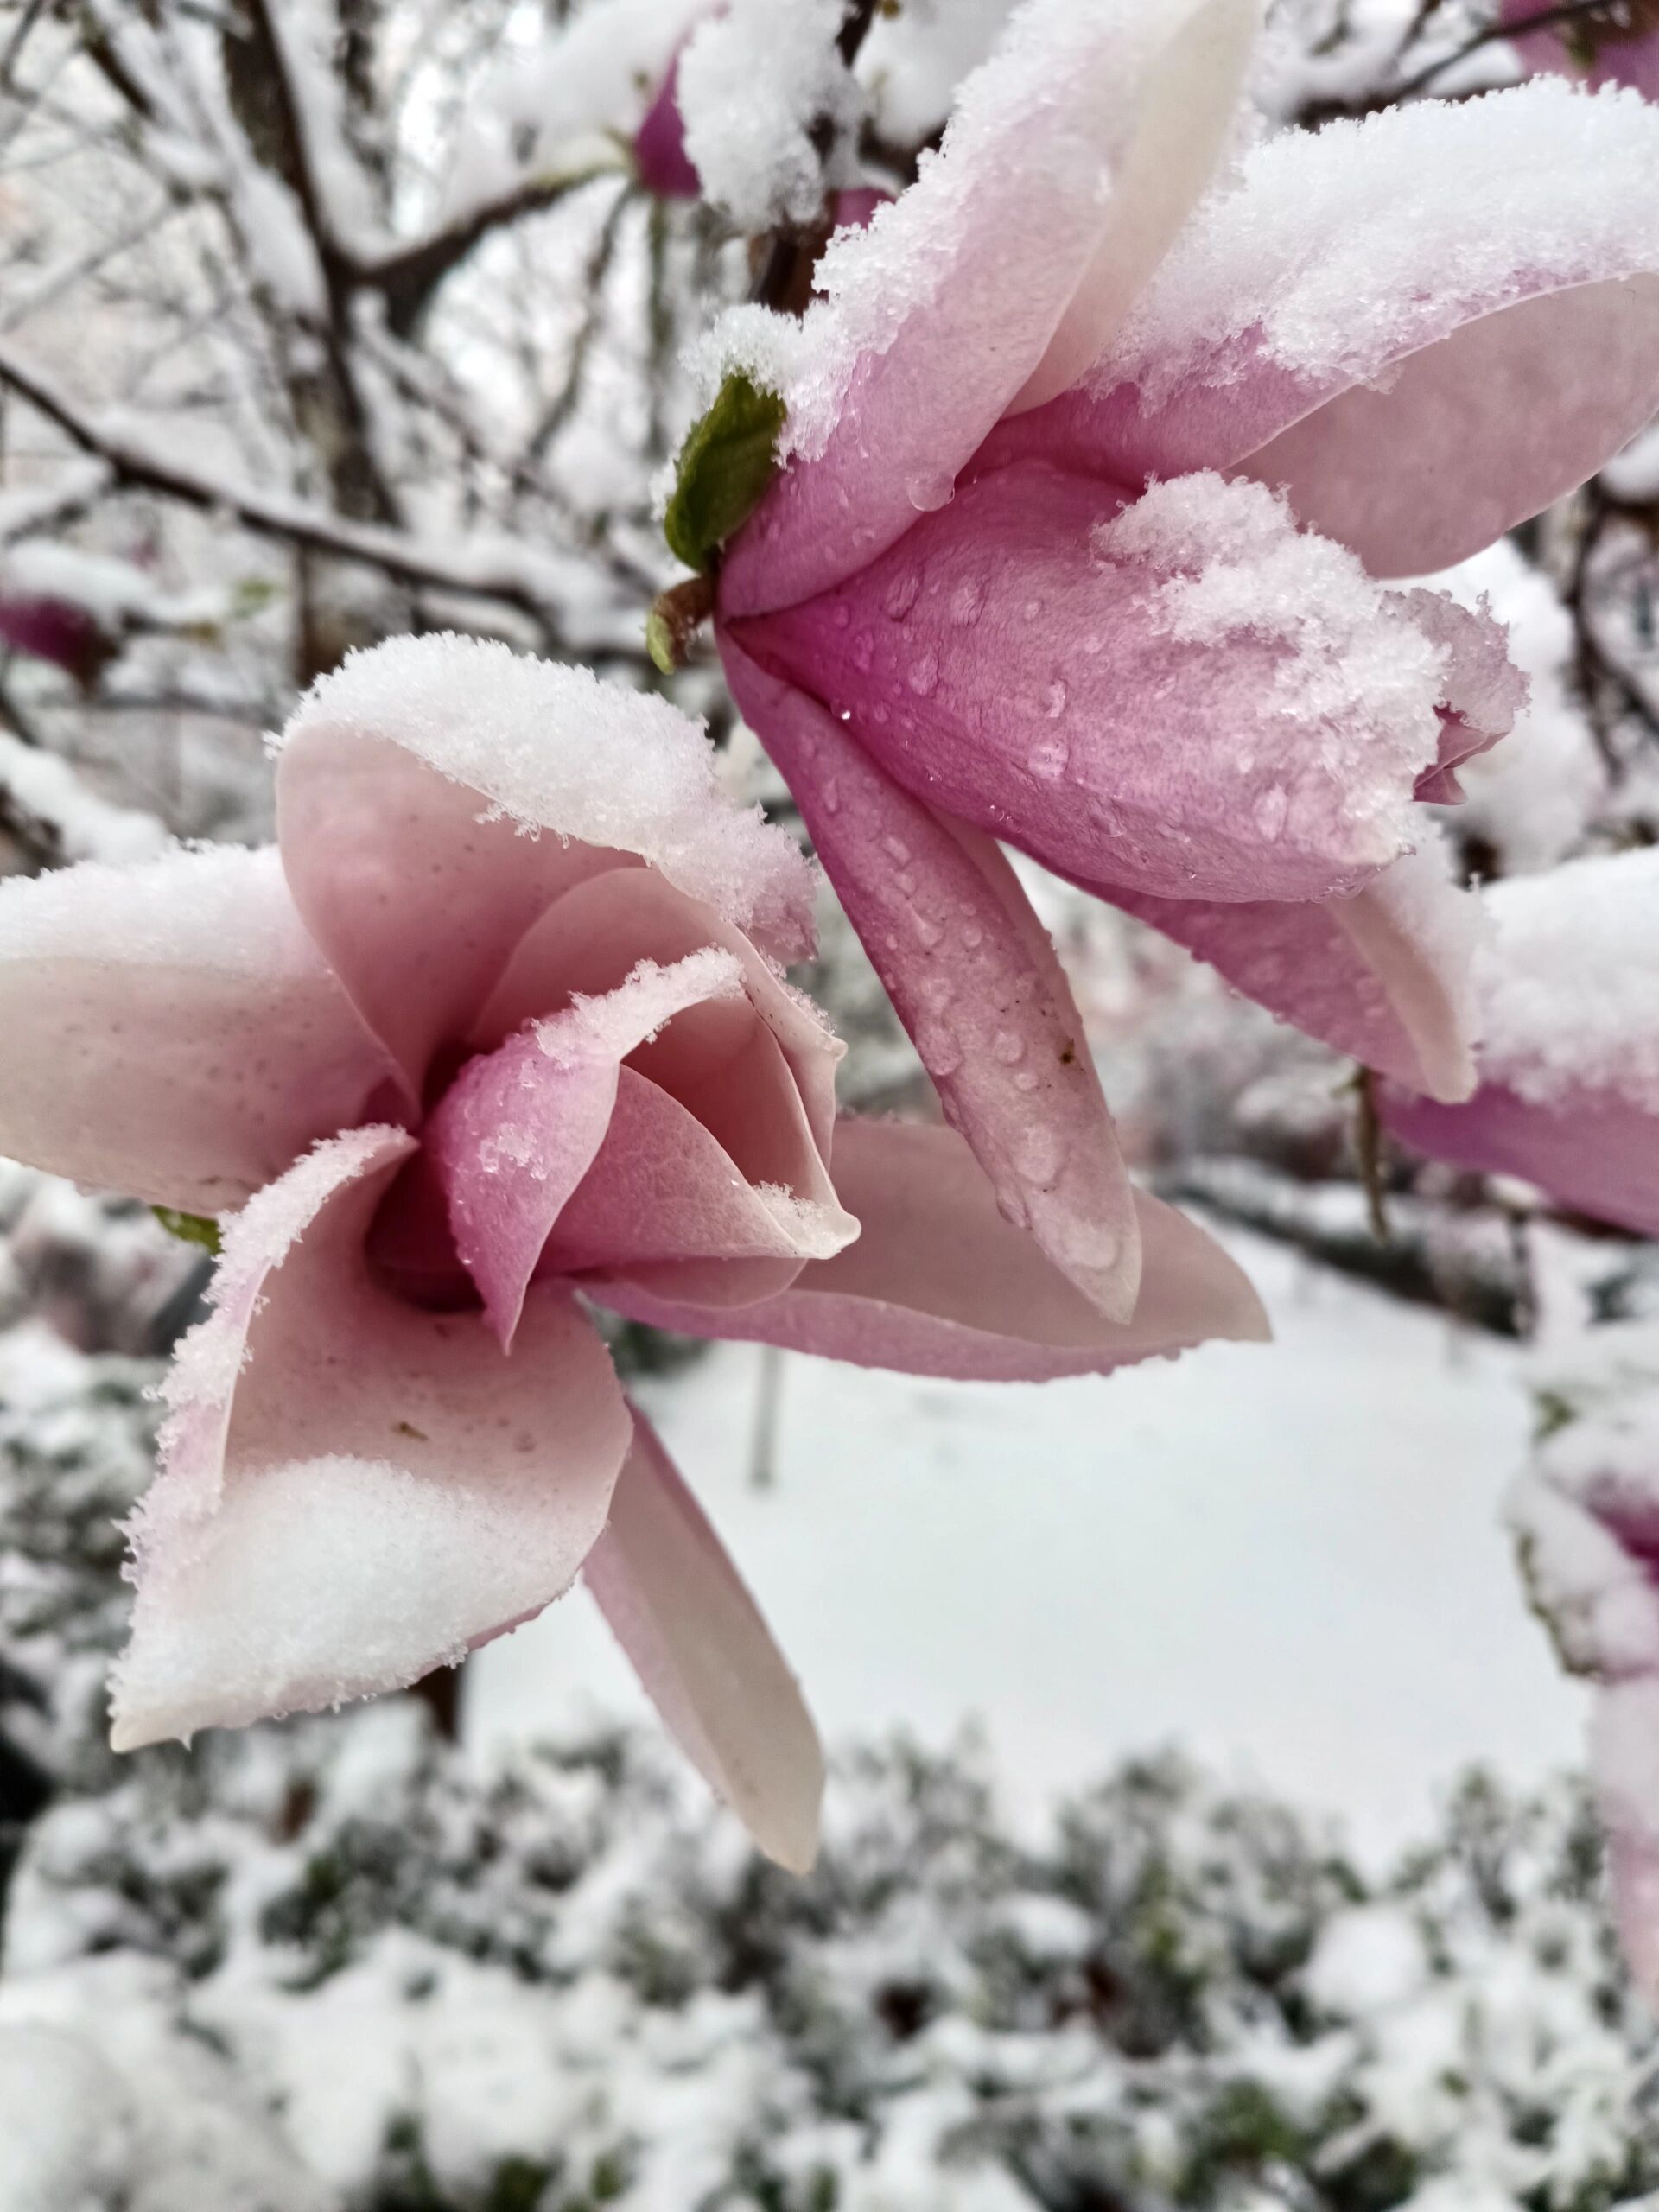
[(1586, 1517), (659, 154), (1617, 44), (1568, 1012), (511, 975), (1096, 472), (55, 629)]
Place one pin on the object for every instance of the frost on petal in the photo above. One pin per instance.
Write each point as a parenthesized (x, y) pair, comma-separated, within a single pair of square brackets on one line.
[(1482, 690), (518, 1129), (171, 1031), (706, 1658), (1388, 975), (941, 1283), (597, 932), (1387, 300), (552, 749), (352, 1491), (1188, 695), (976, 981), (1068, 163), (1569, 1056), (712, 1123)]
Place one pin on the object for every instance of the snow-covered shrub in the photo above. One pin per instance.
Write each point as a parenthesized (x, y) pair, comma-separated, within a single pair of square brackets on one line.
[(554, 1988)]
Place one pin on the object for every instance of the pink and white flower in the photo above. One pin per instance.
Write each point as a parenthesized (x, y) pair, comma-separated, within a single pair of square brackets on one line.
[(498, 1027), (1567, 987), (1616, 43), (1102, 454)]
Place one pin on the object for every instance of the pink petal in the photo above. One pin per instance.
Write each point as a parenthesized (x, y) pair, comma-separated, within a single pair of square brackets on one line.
[(1569, 1055), (1072, 157), (696, 1639), (975, 981), (1370, 313), (175, 1033), (666, 1205), (589, 944), (521, 1127), (1188, 695), (659, 154), (391, 766), (1624, 1731), (1482, 693), (1387, 975), (352, 1491), (939, 1283)]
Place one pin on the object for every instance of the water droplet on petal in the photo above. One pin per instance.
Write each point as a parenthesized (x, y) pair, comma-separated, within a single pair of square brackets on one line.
[(863, 652), (930, 489), (830, 794), (924, 675), (901, 593), (1038, 1153), (898, 848), (1050, 758), (972, 935), (1009, 1047)]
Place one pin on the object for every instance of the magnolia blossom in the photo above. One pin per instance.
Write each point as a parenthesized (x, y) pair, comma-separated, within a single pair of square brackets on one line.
[(659, 154), (1100, 451), (1617, 44), (1586, 1517), (500, 1021), (1567, 987)]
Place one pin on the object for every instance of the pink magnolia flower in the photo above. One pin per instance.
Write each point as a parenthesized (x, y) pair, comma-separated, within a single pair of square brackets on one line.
[(55, 630), (659, 154), (1617, 44), (1096, 471), (1567, 1009), (510, 975), (1586, 1517)]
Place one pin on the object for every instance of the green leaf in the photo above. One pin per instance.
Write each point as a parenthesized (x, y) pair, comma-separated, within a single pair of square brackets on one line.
[(189, 1228), (660, 643), (725, 466)]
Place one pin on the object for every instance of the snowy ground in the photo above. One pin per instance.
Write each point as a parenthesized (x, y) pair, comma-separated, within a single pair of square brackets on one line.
[(1287, 1559)]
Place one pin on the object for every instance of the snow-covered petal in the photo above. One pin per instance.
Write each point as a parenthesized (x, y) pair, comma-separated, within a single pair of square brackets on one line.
[(1188, 695), (976, 981), (1069, 161), (173, 1031), (720, 1147), (352, 1491), (695, 1638), (664, 1205), (1618, 53), (414, 790), (1569, 1055), (1375, 271), (597, 933), (939, 1283), (1388, 975)]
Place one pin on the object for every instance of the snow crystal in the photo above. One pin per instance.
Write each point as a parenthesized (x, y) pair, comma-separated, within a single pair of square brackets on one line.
[(1570, 989), (755, 83), (1233, 562), (611, 1026), (555, 749), (1339, 253)]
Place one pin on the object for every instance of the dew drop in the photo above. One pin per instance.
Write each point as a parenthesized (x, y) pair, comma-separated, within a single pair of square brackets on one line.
[(1049, 759), (844, 615), (1038, 1153), (897, 849), (1054, 700), (924, 675), (967, 601), (1009, 1046), (972, 935), (901, 593), (830, 794), (863, 652), (928, 491), (1013, 1208), (1025, 1080)]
